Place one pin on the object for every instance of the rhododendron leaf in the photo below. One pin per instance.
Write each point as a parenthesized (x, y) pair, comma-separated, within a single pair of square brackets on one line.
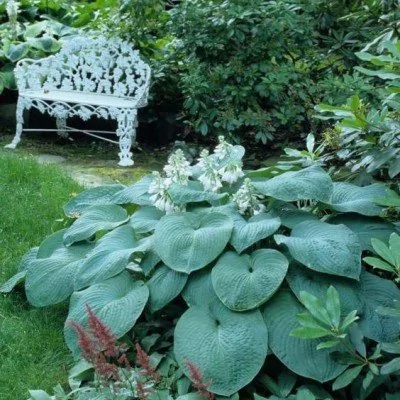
[(145, 219), (110, 256), (51, 280), (100, 195), (136, 193), (118, 302), (245, 233), (366, 228), (164, 286), (299, 355), (228, 348), (364, 296), (311, 183), (331, 249), (347, 197), (187, 242), (245, 282), (96, 218), (301, 279)]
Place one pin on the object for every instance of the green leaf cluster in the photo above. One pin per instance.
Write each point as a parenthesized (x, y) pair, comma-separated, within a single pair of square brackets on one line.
[(233, 283)]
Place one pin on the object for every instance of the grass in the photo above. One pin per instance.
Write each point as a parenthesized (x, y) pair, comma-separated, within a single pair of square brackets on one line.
[(32, 350)]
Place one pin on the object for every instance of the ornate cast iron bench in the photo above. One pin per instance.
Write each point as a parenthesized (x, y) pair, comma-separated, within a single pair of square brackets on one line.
[(88, 77)]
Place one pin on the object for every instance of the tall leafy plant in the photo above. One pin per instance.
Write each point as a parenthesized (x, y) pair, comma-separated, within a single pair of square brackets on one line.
[(226, 255), (369, 137)]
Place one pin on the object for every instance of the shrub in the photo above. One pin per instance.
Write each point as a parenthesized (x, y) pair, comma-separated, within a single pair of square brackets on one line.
[(367, 136), (199, 257), (28, 30)]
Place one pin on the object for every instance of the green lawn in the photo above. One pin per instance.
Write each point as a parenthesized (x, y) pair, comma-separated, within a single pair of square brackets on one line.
[(32, 350)]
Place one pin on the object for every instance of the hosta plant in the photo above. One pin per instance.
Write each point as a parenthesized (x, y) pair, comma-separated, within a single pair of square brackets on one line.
[(208, 263)]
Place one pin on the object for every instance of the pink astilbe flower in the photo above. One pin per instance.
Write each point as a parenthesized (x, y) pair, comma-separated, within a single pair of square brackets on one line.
[(142, 392), (99, 346), (106, 340), (143, 361), (198, 381)]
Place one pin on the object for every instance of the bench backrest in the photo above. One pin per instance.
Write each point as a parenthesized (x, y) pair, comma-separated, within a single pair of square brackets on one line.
[(93, 65)]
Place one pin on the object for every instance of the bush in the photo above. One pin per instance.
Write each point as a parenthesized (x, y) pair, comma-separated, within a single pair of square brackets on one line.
[(367, 136), (244, 74), (29, 30), (213, 262)]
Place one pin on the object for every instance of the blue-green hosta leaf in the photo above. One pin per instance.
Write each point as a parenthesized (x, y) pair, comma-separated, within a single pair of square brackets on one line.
[(51, 280), (187, 242), (366, 228), (245, 282), (17, 51), (193, 193), (291, 216), (299, 355), (96, 218), (26, 260), (136, 193), (229, 348), (145, 219), (331, 249), (245, 233), (46, 249), (351, 198), (118, 302), (100, 195), (110, 257), (311, 183), (164, 286), (199, 290), (378, 292)]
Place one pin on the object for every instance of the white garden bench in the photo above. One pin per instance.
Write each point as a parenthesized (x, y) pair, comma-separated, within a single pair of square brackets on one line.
[(89, 77)]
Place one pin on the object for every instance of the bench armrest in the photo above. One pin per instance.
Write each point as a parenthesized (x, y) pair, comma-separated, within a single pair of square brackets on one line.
[(142, 98), (31, 74)]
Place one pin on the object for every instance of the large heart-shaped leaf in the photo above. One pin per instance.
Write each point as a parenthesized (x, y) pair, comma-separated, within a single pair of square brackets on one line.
[(110, 256), (378, 292), (26, 260), (332, 249), (229, 348), (245, 233), (136, 193), (351, 198), (299, 355), (186, 242), (245, 282), (96, 218), (366, 228), (164, 286), (118, 302), (145, 219), (311, 183), (51, 280), (199, 290), (100, 195)]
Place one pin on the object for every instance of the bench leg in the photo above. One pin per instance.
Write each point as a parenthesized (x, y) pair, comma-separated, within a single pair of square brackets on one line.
[(125, 132), (20, 123), (62, 127)]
